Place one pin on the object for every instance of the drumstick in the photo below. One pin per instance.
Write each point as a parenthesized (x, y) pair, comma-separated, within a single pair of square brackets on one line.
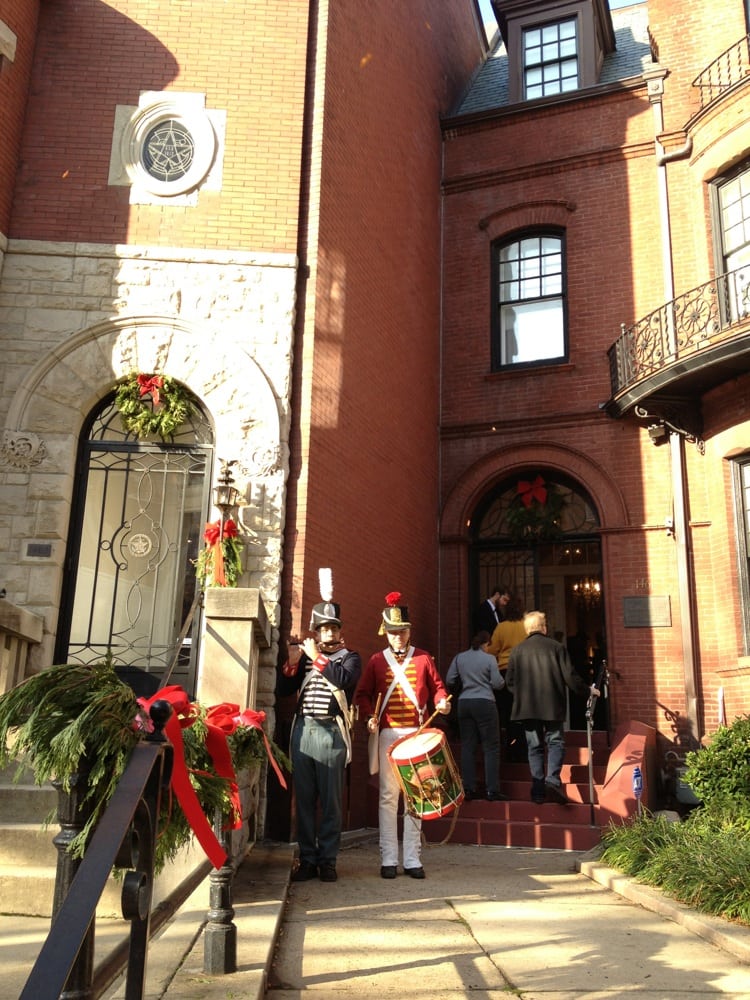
[(376, 713), (436, 712)]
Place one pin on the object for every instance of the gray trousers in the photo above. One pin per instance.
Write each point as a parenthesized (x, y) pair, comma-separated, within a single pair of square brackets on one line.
[(318, 762)]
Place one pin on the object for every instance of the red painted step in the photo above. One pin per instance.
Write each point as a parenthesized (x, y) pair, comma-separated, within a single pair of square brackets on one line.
[(574, 827)]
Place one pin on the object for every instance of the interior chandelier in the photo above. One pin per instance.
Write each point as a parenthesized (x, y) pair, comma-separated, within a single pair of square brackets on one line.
[(588, 590)]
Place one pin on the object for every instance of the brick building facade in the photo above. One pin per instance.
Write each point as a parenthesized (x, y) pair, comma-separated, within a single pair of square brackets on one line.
[(640, 408)]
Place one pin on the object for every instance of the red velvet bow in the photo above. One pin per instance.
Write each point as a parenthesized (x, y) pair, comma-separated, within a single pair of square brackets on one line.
[(151, 384), (213, 531), (184, 715), (529, 492), (223, 720), (214, 537)]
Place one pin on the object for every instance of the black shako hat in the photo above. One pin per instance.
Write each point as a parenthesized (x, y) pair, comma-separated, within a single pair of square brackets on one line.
[(328, 612)]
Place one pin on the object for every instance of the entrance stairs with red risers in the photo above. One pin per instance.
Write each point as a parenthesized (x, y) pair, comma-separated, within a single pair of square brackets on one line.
[(519, 822)]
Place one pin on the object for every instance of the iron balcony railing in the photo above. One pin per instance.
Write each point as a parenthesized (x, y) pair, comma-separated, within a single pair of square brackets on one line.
[(698, 319), (724, 72)]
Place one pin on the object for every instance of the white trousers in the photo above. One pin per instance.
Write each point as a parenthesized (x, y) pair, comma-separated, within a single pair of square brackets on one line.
[(390, 793)]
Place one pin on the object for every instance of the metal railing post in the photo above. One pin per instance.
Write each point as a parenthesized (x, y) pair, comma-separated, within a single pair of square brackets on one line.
[(220, 934), (72, 815)]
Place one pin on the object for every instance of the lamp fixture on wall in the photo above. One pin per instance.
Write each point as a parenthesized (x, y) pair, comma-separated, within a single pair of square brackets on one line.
[(588, 590), (225, 492)]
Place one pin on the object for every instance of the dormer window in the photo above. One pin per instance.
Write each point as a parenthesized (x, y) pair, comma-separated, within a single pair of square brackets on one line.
[(550, 59), (554, 46)]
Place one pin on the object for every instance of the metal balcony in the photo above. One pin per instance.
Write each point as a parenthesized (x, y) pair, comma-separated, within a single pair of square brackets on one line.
[(728, 69), (686, 347)]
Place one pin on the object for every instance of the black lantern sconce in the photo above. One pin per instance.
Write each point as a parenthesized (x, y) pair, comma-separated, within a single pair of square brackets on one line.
[(225, 492)]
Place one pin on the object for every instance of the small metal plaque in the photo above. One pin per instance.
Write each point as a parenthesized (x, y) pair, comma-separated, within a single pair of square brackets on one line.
[(647, 612), (39, 550)]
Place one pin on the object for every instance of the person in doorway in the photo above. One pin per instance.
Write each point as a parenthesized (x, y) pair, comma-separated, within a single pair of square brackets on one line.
[(325, 674), (477, 714), (398, 686), (539, 674), (505, 637), (491, 611)]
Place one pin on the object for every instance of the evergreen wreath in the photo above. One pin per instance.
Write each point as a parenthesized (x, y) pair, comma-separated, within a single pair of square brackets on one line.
[(219, 563), (535, 511), (152, 404), (71, 718)]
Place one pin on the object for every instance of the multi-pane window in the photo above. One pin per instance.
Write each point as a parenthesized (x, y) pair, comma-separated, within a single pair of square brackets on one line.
[(529, 296), (550, 59), (733, 196)]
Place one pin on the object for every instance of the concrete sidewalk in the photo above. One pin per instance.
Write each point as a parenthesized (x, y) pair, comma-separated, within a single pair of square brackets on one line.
[(486, 921)]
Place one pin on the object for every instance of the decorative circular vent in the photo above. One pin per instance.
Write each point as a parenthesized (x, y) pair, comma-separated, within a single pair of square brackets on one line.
[(168, 148)]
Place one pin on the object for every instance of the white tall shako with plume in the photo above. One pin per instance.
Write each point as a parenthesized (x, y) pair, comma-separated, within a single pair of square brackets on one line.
[(328, 611)]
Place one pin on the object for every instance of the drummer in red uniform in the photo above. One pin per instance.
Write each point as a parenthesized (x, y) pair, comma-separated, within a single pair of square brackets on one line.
[(394, 695)]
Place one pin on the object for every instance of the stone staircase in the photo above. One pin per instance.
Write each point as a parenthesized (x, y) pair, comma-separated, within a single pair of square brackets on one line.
[(28, 856), (519, 822)]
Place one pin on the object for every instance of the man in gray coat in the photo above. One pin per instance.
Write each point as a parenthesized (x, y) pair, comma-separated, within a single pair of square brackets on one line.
[(539, 671)]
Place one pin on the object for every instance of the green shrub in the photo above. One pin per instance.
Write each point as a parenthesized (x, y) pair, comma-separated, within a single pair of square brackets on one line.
[(703, 860), (632, 846), (721, 771)]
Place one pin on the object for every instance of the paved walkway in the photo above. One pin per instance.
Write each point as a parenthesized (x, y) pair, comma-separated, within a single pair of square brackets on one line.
[(487, 922)]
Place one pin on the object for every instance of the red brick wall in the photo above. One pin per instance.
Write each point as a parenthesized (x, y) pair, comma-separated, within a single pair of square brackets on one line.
[(91, 57), (689, 36), (20, 16), (363, 489), (368, 441)]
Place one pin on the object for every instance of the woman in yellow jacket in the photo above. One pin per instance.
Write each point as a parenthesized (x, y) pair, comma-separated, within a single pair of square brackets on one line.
[(505, 637)]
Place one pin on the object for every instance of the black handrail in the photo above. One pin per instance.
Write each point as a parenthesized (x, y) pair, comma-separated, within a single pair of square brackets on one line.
[(125, 837)]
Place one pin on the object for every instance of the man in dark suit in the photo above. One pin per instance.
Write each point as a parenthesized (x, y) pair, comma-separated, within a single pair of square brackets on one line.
[(539, 674), (490, 611)]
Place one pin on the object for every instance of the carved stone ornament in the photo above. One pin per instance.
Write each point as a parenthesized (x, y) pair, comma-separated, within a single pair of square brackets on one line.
[(23, 450), (264, 460)]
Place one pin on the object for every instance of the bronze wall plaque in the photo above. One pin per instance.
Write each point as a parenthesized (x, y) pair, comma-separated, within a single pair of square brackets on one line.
[(647, 612)]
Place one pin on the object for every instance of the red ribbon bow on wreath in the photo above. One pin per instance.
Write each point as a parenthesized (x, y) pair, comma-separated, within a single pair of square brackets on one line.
[(150, 384), (529, 492), (183, 716), (214, 537), (223, 720)]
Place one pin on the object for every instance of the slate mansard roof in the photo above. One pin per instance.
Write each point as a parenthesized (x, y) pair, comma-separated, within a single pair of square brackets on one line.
[(489, 89)]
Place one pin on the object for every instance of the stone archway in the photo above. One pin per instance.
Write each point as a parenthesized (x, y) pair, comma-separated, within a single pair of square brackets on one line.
[(478, 479), (50, 405)]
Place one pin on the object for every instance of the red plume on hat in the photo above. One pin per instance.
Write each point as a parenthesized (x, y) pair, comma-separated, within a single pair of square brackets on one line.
[(396, 615)]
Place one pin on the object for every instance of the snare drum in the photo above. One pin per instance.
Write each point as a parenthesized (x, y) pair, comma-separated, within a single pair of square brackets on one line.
[(428, 776)]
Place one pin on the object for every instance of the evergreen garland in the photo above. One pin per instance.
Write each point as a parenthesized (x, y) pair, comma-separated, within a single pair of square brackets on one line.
[(214, 569), (152, 404), (72, 717), (68, 718)]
